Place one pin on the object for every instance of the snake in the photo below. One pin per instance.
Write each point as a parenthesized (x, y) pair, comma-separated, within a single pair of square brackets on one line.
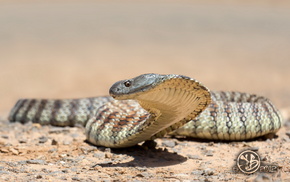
[(151, 106)]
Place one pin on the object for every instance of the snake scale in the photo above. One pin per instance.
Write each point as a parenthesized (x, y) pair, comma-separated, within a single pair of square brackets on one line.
[(153, 105)]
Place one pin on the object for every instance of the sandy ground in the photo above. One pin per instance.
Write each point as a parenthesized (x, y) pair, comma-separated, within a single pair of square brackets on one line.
[(78, 49)]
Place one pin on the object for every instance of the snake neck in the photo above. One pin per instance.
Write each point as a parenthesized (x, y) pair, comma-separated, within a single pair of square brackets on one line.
[(173, 101)]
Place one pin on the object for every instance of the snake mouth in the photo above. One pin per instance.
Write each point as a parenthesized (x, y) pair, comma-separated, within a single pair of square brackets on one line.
[(124, 96)]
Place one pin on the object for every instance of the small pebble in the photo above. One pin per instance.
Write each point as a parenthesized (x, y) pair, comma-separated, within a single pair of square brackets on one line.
[(176, 151), (64, 171), (282, 153), (107, 162), (4, 136), (208, 172), (76, 178), (288, 133), (22, 140), (202, 147), (35, 161), (52, 150), (254, 148), (264, 158), (54, 142), (211, 144), (144, 174), (38, 177), (42, 139), (14, 151), (4, 150), (197, 157), (63, 178), (99, 155), (22, 162), (108, 150), (45, 170), (66, 142), (286, 139), (75, 135), (108, 155), (197, 172), (4, 172), (262, 178), (58, 130), (208, 153), (169, 143)]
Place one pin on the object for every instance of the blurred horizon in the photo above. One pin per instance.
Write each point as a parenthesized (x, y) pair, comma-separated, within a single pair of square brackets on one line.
[(75, 49)]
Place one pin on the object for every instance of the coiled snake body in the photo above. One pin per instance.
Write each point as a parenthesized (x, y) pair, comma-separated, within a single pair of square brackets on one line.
[(153, 105)]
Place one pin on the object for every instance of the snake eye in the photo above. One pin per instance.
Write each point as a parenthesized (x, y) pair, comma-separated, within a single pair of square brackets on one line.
[(127, 83)]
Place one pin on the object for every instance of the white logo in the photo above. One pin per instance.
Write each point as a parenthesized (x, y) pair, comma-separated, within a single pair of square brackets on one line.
[(248, 162)]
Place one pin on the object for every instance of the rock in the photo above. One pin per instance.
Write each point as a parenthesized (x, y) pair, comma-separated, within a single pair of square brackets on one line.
[(14, 151), (262, 178), (75, 135), (282, 153), (4, 172), (22, 140), (4, 150), (211, 144), (66, 142), (87, 149), (38, 176), (197, 172), (208, 153), (144, 174), (208, 172), (76, 178), (169, 143), (45, 170), (58, 130), (285, 139), (108, 155), (202, 147), (64, 171), (106, 162), (42, 139), (52, 150), (288, 133), (107, 150), (54, 142), (99, 155), (4, 136), (35, 161), (139, 168), (254, 148), (197, 157), (176, 150), (183, 144), (22, 162)]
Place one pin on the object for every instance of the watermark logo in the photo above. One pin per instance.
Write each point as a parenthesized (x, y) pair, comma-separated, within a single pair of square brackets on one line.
[(249, 162)]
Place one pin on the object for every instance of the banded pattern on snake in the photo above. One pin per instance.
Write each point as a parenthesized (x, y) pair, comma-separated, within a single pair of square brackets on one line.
[(153, 105)]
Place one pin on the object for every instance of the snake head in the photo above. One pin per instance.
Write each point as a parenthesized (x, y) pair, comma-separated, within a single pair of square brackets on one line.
[(131, 88)]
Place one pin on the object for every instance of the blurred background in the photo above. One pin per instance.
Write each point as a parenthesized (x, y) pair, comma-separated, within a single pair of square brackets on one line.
[(71, 49)]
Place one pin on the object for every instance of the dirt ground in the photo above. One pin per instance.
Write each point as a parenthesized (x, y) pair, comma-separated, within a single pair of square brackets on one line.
[(76, 49)]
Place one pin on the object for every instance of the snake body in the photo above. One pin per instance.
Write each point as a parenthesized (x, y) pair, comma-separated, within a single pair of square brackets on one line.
[(152, 105)]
